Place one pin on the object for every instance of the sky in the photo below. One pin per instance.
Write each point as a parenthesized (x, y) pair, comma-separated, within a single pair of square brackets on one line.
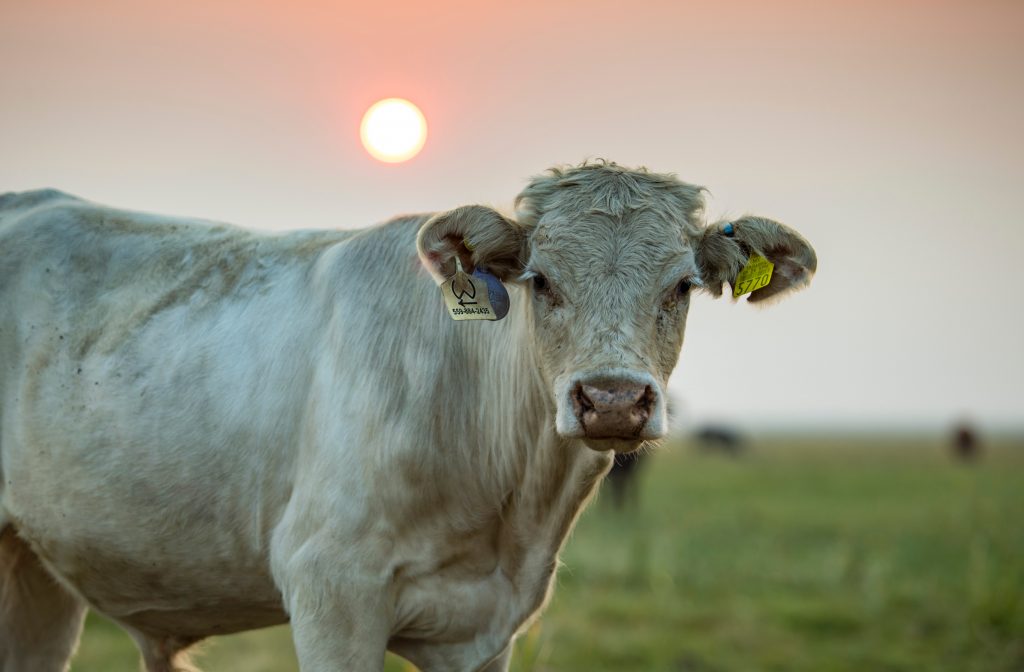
[(890, 134)]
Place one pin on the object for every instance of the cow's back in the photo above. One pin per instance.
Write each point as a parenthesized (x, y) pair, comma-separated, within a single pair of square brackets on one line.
[(153, 376)]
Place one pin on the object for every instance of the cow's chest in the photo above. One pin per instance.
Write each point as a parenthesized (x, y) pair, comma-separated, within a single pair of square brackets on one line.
[(463, 593), (460, 596)]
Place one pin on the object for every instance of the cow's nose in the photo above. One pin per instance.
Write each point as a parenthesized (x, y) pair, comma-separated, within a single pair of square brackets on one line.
[(611, 408)]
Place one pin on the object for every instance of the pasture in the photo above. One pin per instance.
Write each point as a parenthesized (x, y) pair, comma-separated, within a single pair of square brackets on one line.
[(803, 555)]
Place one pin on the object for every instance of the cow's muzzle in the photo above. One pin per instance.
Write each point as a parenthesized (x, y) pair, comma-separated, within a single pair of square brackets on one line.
[(615, 408)]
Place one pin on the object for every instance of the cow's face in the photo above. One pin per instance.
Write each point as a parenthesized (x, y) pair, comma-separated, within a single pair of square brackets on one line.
[(609, 258)]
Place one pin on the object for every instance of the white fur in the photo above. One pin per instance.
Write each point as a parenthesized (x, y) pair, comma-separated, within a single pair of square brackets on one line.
[(205, 430)]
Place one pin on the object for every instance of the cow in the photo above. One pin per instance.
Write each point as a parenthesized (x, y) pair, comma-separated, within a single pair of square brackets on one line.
[(206, 430), (965, 444), (622, 478), (720, 438)]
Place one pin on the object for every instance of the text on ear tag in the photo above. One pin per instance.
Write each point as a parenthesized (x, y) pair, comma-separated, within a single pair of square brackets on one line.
[(479, 296), (755, 275)]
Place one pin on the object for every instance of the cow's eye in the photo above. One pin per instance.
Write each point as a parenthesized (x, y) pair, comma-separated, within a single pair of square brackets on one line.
[(540, 283), (683, 287)]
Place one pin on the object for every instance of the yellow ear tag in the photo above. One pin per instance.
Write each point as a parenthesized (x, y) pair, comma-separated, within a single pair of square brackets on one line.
[(755, 275), (466, 296)]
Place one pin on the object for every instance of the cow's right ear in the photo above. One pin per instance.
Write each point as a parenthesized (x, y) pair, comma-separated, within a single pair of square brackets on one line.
[(725, 247), (479, 236)]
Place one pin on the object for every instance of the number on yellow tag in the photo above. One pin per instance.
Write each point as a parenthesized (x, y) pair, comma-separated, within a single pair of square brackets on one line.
[(755, 275)]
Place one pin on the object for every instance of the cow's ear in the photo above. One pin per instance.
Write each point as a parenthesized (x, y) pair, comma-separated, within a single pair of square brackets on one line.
[(479, 236), (724, 248)]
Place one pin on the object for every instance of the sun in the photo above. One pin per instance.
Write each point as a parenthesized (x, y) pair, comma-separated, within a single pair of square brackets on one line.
[(393, 130)]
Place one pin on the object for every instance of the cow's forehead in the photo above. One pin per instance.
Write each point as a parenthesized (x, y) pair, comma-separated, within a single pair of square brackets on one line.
[(608, 218), (634, 241)]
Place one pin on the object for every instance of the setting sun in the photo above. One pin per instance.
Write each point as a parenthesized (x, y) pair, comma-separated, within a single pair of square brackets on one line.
[(393, 130)]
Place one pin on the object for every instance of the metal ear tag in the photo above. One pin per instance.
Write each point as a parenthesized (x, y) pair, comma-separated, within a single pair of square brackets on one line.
[(480, 296), (496, 292)]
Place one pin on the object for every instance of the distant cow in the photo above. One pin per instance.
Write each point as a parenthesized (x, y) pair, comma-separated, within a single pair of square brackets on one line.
[(622, 478), (966, 444), (720, 439), (205, 430)]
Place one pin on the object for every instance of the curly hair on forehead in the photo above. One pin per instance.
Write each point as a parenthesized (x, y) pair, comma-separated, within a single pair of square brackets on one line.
[(606, 187)]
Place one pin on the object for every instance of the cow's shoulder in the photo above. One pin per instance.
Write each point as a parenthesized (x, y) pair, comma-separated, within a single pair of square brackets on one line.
[(381, 260)]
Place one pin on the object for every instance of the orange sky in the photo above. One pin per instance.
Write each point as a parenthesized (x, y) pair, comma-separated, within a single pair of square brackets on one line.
[(889, 133)]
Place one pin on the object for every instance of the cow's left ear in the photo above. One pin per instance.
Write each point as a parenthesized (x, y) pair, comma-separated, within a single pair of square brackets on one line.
[(724, 248), (479, 236)]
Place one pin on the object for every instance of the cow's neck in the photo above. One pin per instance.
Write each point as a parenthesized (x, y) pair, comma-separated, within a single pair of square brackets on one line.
[(553, 477), (561, 477), (495, 494)]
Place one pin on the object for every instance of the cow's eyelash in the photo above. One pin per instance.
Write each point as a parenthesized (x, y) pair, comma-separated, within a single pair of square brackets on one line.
[(529, 274), (692, 282)]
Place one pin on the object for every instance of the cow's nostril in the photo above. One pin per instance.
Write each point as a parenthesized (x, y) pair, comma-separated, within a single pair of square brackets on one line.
[(646, 400), (582, 401)]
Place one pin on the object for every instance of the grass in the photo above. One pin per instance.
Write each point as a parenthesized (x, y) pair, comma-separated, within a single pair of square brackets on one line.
[(824, 556)]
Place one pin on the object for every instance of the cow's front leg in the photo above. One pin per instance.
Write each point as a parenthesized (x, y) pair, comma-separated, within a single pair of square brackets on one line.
[(340, 628), (339, 604)]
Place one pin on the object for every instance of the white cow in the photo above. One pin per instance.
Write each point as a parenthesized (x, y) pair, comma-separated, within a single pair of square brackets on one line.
[(205, 430)]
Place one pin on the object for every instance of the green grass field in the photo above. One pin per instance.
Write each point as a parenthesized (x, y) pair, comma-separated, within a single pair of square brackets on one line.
[(814, 556)]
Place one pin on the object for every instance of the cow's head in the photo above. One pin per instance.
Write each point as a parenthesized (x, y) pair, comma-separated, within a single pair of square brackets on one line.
[(610, 258)]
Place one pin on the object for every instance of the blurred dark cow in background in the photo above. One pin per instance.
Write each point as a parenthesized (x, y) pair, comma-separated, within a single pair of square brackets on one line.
[(624, 476), (205, 430), (965, 444), (720, 439)]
